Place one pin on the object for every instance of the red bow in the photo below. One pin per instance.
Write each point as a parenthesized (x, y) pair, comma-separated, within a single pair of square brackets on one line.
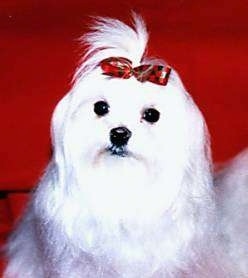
[(122, 68)]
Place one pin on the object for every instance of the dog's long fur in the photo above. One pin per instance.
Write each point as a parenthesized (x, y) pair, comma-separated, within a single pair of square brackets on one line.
[(150, 214)]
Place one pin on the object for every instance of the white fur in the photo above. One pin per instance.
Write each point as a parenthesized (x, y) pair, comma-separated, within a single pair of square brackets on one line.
[(150, 214), (232, 200)]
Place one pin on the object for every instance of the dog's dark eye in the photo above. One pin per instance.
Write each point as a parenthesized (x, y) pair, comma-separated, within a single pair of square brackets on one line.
[(151, 115), (101, 108)]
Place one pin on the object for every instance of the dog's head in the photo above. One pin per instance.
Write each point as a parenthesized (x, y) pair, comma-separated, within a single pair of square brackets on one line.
[(121, 134)]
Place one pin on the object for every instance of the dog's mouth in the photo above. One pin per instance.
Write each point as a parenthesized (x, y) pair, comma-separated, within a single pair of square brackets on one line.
[(114, 152), (120, 151)]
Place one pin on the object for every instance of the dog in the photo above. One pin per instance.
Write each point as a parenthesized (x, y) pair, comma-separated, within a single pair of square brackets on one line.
[(130, 191)]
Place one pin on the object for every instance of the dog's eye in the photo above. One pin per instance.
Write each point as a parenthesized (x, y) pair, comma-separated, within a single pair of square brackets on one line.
[(151, 115), (101, 108)]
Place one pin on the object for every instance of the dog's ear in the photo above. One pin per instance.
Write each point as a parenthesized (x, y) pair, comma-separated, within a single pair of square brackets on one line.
[(200, 170), (197, 134), (60, 118), (46, 201)]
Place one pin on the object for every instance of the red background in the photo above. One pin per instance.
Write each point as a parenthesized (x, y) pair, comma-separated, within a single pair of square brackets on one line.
[(206, 41)]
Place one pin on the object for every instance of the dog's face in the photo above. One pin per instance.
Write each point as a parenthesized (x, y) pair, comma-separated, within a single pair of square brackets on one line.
[(128, 136)]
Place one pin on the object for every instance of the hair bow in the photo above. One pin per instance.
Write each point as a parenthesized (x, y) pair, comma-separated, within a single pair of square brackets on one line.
[(122, 68)]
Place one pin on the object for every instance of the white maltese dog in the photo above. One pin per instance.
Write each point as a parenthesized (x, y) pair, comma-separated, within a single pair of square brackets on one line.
[(129, 190)]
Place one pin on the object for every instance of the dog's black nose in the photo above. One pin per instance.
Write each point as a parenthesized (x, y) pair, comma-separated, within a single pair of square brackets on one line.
[(119, 136)]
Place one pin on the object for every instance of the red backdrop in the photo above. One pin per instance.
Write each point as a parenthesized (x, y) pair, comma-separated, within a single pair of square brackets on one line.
[(206, 41)]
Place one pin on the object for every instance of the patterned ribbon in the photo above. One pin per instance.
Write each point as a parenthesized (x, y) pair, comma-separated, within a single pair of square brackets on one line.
[(122, 68)]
